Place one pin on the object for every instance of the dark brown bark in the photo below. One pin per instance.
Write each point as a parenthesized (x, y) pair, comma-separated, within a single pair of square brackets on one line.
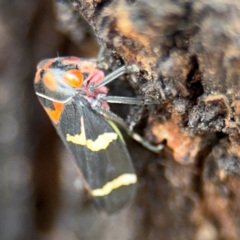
[(189, 59)]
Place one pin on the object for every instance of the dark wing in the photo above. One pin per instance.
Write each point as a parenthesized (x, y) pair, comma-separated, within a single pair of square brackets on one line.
[(100, 154)]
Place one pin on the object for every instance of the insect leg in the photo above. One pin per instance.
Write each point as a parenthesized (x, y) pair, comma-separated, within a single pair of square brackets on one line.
[(127, 100), (111, 116), (112, 76)]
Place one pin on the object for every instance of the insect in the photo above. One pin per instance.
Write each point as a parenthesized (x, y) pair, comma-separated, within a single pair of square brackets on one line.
[(73, 93)]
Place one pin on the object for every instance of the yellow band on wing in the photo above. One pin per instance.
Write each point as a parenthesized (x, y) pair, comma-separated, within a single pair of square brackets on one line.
[(102, 142), (116, 129), (123, 180)]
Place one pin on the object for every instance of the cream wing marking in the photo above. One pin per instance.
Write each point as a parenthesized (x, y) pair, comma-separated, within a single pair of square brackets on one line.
[(102, 142), (123, 180), (116, 129)]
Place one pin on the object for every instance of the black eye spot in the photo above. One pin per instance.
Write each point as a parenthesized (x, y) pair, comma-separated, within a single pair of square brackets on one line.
[(42, 73), (85, 76)]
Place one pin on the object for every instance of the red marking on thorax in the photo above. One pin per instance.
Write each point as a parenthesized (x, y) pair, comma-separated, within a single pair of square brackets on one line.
[(56, 113), (49, 81), (96, 77), (48, 64), (40, 68), (37, 77)]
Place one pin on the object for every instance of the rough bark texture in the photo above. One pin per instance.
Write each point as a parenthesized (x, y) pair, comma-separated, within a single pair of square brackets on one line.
[(188, 53)]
